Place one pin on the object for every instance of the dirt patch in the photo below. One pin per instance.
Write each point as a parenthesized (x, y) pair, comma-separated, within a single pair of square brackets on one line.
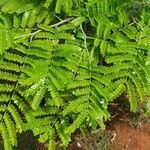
[(126, 137), (123, 134)]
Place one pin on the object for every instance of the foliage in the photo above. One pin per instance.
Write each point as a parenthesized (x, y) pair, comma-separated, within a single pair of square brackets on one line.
[(62, 63)]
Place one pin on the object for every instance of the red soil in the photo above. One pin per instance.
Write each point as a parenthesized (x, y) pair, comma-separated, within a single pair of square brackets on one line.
[(123, 137), (126, 137)]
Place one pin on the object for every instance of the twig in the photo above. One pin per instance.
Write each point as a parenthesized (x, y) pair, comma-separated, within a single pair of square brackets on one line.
[(62, 22), (52, 26), (137, 23), (85, 37), (114, 136)]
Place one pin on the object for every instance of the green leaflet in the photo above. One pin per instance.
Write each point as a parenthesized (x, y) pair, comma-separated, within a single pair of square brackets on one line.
[(7, 144), (132, 95), (76, 123), (37, 98), (7, 40), (11, 130), (47, 3), (52, 144), (18, 6), (67, 6)]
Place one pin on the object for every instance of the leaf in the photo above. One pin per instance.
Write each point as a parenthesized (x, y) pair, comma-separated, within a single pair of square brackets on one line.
[(132, 97), (18, 6)]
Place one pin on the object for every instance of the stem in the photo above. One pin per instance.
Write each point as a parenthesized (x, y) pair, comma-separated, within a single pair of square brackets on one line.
[(85, 37), (89, 59), (61, 22), (52, 26)]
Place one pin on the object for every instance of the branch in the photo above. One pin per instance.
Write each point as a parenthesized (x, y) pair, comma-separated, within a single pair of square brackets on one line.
[(52, 26), (62, 22)]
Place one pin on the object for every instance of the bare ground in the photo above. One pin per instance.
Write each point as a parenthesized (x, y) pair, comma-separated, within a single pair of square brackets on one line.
[(123, 135)]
